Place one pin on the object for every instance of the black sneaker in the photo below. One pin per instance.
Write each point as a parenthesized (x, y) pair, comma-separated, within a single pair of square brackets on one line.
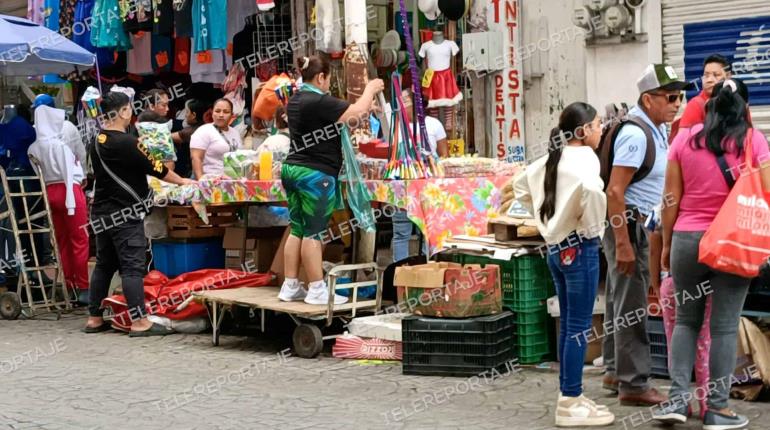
[(672, 413), (715, 421)]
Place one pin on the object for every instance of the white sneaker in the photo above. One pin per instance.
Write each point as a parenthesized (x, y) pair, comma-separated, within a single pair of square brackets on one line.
[(319, 295), (581, 412), (582, 396), (292, 292)]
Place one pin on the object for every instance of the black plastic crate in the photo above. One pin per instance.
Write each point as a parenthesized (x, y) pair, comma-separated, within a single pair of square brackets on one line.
[(486, 330), (655, 326), (457, 347)]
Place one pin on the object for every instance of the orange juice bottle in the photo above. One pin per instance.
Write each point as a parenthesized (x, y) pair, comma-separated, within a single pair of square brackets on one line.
[(265, 166)]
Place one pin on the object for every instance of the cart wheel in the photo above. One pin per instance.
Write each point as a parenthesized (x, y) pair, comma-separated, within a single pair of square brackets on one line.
[(308, 341), (10, 305)]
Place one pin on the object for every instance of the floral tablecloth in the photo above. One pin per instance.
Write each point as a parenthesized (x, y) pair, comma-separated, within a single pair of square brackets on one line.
[(444, 207), (441, 207)]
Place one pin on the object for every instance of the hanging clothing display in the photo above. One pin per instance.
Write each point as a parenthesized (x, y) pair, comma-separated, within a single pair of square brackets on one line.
[(355, 22), (36, 11), (208, 66), (183, 26), (136, 15), (328, 28), (139, 58), (163, 17), (51, 14), (161, 53), (237, 13), (67, 16), (82, 26), (182, 55), (439, 84), (209, 25), (107, 28)]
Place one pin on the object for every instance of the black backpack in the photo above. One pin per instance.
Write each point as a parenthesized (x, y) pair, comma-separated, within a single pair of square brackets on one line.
[(615, 120)]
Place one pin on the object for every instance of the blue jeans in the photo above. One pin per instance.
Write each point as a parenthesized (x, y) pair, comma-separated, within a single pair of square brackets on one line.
[(402, 234), (575, 272)]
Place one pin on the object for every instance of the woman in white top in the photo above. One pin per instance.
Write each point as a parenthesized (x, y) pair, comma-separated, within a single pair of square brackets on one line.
[(210, 142), (564, 193)]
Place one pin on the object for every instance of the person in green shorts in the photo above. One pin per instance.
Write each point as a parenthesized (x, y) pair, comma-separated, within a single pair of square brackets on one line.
[(309, 174)]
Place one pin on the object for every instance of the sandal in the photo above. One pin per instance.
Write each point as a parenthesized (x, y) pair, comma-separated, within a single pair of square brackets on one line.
[(154, 330), (98, 329)]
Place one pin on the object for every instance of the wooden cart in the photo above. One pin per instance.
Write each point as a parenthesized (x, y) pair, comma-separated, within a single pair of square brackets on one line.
[(307, 338)]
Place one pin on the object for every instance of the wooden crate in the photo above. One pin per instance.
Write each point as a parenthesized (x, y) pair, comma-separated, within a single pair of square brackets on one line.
[(184, 222)]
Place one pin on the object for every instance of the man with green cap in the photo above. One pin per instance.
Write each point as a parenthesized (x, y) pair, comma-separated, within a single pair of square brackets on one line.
[(626, 244)]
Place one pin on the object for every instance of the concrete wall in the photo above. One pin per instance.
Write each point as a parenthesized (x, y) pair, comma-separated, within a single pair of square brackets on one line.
[(612, 70), (572, 71), (562, 64)]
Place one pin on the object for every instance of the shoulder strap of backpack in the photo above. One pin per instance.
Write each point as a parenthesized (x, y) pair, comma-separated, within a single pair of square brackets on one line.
[(649, 153)]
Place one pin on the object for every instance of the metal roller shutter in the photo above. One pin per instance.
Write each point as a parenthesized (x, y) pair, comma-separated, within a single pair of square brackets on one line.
[(692, 29)]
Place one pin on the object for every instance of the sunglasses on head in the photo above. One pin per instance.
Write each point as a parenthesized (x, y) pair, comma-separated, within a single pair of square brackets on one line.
[(672, 98)]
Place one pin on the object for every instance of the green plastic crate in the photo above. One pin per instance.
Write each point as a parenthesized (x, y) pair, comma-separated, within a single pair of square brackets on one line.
[(526, 305), (534, 358), (533, 353), (542, 336), (536, 330), (531, 290), (532, 317)]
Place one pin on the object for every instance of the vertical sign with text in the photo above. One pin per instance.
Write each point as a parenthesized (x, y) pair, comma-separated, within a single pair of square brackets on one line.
[(508, 117)]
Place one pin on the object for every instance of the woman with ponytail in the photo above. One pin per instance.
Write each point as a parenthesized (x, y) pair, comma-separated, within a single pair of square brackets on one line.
[(309, 174), (703, 163), (563, 191)]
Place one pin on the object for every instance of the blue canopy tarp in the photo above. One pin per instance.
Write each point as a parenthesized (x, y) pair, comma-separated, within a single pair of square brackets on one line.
[(28, 49)]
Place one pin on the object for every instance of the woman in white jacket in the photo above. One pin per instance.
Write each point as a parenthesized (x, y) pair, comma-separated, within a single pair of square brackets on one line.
[(63, 175), (564, 192)]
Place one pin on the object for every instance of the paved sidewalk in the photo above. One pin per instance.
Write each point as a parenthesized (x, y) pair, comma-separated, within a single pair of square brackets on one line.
[(55, 377)]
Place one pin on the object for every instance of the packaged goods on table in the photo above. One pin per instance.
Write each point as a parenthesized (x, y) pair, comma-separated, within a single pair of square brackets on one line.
[(241, 164), (157, 137), (372, 168), (461, 167)]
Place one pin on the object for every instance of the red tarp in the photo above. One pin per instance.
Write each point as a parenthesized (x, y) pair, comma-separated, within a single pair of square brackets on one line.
[(169, 297)]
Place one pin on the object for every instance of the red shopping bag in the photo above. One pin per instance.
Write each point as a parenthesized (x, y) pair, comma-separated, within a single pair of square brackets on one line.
[(738, 240)]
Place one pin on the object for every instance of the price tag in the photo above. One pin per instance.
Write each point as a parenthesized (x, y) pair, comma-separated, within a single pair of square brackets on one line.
[(427, 78)]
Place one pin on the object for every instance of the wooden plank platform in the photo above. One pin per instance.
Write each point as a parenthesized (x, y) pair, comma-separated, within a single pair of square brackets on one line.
[(267, 298)]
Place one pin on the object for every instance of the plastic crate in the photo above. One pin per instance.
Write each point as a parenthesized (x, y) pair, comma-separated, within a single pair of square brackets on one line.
[(532, 317), (457, 347), (656, 349), (535, 329), (536, 339), (655, 325), (525, 281), (526, 305), (534, 353), (175, 257)]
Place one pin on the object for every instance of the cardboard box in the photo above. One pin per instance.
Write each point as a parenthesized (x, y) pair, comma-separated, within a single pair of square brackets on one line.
[(594, 347), (261, 246), (449, 289)]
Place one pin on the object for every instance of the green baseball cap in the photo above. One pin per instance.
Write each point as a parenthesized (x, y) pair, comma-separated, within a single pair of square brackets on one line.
[(661, 76)]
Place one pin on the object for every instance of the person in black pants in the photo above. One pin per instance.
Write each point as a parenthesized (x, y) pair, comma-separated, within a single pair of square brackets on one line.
[(122, 197)]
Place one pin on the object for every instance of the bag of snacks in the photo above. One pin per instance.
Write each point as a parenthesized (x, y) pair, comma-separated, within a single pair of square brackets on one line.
[(241, 164), (157, 137)]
